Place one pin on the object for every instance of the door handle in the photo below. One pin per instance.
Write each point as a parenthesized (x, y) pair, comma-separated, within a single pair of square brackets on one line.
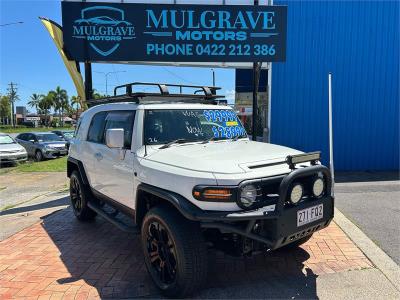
[(98, 156)]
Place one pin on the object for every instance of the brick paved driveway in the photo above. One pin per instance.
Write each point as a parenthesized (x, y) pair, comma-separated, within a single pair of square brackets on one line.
[(63, 258)]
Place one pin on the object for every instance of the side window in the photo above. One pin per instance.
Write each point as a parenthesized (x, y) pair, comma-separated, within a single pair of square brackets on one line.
[(96, 128), (121, 119), (22, 136), (30, 137), (78, 125)]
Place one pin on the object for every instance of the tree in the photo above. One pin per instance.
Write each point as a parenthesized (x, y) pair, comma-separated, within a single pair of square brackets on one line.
[(45, 105), (35, 100), (5, 108), (97, 95), (60, 101), (75, 100)]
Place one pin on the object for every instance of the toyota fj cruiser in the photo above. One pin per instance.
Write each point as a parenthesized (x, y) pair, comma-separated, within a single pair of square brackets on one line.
[(183, 168)]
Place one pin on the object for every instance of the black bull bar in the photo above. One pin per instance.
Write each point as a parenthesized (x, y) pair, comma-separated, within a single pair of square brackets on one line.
[(283, 220)]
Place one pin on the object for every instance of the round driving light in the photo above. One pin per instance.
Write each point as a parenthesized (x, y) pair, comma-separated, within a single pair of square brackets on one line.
[(318, 187), (248, 196), (296, 193)]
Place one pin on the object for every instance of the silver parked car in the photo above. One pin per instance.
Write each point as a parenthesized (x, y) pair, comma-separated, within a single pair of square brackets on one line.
[(41, 145), (10, 150)]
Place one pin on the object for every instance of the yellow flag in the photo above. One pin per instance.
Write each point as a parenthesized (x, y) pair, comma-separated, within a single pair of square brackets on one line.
[(56, 34)]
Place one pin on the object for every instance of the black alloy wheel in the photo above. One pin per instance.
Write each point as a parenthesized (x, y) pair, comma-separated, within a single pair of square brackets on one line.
[(79, 195), (175, 252), (161, 250), (76, 195)]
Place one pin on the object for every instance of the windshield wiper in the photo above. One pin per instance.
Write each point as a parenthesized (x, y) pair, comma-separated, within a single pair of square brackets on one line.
[(209, 140), (236, 138), (177, 141)]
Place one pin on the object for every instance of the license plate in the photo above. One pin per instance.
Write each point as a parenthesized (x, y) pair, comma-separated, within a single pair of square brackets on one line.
[(310, 214)]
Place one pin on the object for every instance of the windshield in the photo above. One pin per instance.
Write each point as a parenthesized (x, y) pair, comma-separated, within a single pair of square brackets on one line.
[(69, 134), (6, 139), (163, 126), (48, 137)]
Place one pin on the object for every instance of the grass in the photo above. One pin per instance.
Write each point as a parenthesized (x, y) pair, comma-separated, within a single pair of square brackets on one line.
[(28, 129), (51, 165)]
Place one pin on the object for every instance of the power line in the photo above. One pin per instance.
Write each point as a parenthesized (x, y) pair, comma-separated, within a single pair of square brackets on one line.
[(13, 23), (179, 77)]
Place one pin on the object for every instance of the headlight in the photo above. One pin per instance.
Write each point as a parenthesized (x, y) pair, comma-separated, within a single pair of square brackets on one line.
[(318, 187), (248, 196), (214, 193), (296, 193)]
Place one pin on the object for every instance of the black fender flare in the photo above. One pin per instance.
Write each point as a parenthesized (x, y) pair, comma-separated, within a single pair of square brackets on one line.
[(184, 206), (80, 167)]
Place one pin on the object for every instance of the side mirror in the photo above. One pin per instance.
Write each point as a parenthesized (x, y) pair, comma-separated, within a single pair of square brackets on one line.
[(115, 138)]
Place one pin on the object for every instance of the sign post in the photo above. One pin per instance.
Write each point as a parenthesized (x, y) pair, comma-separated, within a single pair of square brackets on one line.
[(256, 81)]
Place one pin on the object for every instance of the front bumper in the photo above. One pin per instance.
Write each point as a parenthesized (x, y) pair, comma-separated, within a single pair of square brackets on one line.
[(272, 226), (53, 153), (13, 157), (279, 228)]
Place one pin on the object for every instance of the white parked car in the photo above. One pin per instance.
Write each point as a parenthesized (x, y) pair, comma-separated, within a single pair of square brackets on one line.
[(182, 167), (10, 150)]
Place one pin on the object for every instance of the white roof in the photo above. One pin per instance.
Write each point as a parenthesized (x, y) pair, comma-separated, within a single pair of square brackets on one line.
[(143, 106)]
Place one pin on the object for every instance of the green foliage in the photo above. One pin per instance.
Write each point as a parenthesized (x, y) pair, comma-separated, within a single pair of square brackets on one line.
[(51, 165), (5, 107), (35, 101), (97, 95), (20, 129)]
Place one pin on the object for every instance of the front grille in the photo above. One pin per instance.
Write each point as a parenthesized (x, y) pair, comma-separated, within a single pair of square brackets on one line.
[(302, 233), (9, 151), (270, 189)]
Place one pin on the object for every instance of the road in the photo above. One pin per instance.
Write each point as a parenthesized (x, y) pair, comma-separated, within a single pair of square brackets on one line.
[(16, 188), (374, 206)]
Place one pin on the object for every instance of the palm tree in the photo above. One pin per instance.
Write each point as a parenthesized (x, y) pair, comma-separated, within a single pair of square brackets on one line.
[(45, 105), (75, 100), (97, 95), (35, 100), (60, 101)]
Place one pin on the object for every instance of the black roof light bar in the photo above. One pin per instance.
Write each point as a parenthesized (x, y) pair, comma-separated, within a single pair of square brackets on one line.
[(203, 94), (312, 157)]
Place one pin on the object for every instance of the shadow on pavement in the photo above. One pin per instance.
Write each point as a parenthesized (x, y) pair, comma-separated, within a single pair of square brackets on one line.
[(98, 255), (366, 176), (44, 205)]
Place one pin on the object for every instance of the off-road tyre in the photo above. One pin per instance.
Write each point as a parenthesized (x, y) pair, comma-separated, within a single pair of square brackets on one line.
[(183, 246), (80, 195), (39, 155)]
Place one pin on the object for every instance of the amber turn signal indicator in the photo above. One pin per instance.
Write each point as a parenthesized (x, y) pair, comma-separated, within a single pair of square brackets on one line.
[(212, 193)]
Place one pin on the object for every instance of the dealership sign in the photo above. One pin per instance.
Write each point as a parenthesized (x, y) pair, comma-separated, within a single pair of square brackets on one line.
[(167, 32)]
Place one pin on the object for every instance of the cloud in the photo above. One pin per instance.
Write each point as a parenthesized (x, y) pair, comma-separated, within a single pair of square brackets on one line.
[(230, 96)]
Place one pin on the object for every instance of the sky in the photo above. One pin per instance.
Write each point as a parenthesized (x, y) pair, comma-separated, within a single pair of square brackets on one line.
[(29, 58)]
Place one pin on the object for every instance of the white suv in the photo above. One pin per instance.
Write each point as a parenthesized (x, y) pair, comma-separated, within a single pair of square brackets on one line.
[(182, 167)]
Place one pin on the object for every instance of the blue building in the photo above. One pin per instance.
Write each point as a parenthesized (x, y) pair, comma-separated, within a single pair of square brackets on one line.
[(358, 41)]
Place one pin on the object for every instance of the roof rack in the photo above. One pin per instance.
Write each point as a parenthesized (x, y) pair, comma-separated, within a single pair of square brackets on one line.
[(203, 94)]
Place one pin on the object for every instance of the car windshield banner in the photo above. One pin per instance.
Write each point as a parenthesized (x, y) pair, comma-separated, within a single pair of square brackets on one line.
[(99, 31)]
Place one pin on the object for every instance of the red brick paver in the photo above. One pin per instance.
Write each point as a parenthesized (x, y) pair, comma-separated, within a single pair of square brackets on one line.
[(61, 258)]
